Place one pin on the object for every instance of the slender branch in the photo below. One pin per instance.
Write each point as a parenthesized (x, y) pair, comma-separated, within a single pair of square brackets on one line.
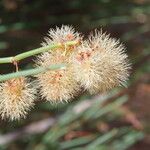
[(35, 51), (30, 72)]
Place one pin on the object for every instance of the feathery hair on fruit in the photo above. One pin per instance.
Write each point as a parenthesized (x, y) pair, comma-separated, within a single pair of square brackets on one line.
[(60, 35), (16, 98), (100, 63), (57, 85)]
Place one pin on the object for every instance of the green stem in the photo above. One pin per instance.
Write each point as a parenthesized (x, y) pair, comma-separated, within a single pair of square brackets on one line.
[(34, 52), (30, 72)]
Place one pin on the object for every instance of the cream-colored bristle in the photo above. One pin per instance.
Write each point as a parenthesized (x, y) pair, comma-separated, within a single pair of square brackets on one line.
[(100, 63), (16, 98), (57, 85), (61, 35)]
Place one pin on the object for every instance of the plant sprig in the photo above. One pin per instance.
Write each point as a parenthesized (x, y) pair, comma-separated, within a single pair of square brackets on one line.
[(30, 72), (35, 52), (30, 53)]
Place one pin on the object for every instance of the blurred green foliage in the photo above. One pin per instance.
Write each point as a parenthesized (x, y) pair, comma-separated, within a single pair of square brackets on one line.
[(102, 124)]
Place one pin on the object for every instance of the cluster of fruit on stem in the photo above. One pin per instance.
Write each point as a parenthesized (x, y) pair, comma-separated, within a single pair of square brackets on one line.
[(68, 65)]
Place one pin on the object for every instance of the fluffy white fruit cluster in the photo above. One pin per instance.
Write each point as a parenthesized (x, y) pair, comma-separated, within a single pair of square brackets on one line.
[(16, 98), (96, 65)]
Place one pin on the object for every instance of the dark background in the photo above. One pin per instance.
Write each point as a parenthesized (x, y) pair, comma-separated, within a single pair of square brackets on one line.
[(110, 125)]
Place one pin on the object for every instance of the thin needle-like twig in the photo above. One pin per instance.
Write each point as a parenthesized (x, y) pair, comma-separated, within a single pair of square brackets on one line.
[(30, 72), (35, 52)]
